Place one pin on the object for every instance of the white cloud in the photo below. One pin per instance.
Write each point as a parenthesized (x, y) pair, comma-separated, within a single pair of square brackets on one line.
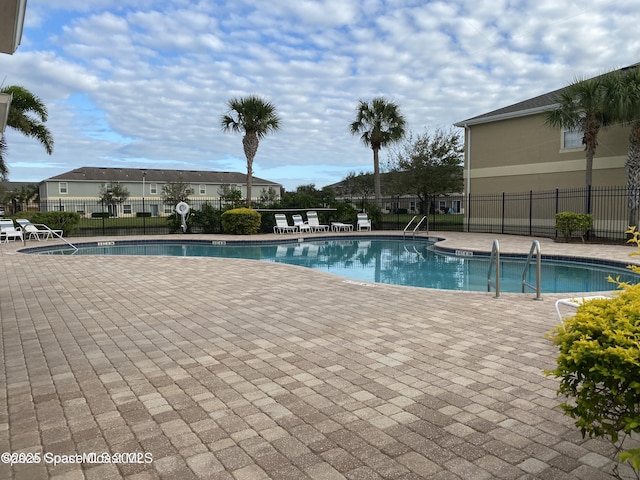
[(154, 76)]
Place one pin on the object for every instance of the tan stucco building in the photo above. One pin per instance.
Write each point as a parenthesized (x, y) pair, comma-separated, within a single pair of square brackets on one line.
[(512, 150)]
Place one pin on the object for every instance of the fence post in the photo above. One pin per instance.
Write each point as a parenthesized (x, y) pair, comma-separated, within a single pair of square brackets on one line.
[(468, 212), (555, 230), (530, 212), (588, 232), (502, 219)]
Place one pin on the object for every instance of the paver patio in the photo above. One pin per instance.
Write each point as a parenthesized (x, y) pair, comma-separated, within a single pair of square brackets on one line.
[(245, 370)]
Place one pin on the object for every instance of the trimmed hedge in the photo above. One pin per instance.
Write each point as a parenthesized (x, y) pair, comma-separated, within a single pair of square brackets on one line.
[(241, 221), (569, 223)]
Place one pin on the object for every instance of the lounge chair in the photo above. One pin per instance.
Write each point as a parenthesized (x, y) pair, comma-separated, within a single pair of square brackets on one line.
[(299, 223), (282, 225), (8, 230), (314, 223), (38, 230), (363, 222), (574, 302)]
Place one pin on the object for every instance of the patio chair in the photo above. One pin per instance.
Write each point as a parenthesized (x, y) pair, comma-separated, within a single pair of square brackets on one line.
[(574, 302), (38, 230), (363, 222), (314, 223), (282, 225), (8, 230), (299, 223)]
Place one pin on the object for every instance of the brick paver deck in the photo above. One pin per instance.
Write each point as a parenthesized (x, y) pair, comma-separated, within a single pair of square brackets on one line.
[(234, 369)]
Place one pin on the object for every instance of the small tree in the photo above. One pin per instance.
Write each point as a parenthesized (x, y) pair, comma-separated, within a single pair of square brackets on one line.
[(230, 195), (176, 192), (113, 194), (268, 195), (430, 164)]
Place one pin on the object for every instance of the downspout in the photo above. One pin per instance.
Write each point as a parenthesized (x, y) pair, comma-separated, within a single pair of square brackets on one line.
[(467, 135)]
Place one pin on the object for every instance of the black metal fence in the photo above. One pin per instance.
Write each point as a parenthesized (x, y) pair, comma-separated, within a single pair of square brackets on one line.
[(526, 213), (533, 213)]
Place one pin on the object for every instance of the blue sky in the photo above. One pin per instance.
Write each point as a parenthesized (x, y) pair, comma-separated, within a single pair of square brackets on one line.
[(144, 85)]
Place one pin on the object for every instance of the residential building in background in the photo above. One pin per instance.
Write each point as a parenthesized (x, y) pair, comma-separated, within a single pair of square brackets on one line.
[(80, 190)]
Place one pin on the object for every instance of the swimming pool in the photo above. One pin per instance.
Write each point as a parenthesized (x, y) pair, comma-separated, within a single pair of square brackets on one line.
[(382, 260)]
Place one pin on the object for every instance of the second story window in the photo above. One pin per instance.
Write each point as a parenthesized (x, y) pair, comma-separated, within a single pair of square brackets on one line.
[(571, 138), (202, 189), (153, 188), (62, 188)]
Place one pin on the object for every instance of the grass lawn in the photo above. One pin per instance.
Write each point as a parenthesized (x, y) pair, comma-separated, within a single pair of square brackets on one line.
[(441, 220)]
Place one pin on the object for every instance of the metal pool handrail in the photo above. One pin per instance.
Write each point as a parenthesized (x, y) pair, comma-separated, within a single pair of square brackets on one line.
[(535, 249), (424, 217), (494, 259)]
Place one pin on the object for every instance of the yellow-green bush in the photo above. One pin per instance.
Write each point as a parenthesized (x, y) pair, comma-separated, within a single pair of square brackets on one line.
[(599, 365), (241, 221), (569, 223)]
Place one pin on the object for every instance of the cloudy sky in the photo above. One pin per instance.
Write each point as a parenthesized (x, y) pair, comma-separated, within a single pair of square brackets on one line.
[(143, 83)]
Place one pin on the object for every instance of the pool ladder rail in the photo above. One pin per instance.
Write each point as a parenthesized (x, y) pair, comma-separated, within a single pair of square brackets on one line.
[(424, 217), (494, 262), (53, 234)]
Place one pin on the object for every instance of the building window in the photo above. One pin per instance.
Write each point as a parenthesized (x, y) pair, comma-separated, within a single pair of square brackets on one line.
[(126, 209), (202, 189), (62, 188), (168, 209), (153, 189), (571, 138), (80, 209)]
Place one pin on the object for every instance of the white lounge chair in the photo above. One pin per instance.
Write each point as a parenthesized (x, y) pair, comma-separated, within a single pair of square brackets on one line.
[(363, 222), (299, 223), (574, 302), (314, 223), (8, 230), (282, 225), (38, 230)]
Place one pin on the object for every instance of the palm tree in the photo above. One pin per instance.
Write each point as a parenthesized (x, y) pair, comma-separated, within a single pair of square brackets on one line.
[(255, 117), (623, 91), (583, 106), (27, 114), (379, 124)]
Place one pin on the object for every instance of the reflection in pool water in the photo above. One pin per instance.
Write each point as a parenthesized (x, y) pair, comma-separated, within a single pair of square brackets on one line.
[(410, 263)]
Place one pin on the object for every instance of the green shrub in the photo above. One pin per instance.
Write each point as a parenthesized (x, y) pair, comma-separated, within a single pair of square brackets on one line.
[(569, 223), (207, 218), (599, 365), (241, 221)]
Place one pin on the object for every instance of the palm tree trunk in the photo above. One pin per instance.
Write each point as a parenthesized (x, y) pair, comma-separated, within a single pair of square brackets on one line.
[(250, 143), (633, 174), (377, 190), (589, 167)]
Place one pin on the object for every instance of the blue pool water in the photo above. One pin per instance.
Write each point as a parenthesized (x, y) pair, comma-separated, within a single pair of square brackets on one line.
[(410, 263)]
